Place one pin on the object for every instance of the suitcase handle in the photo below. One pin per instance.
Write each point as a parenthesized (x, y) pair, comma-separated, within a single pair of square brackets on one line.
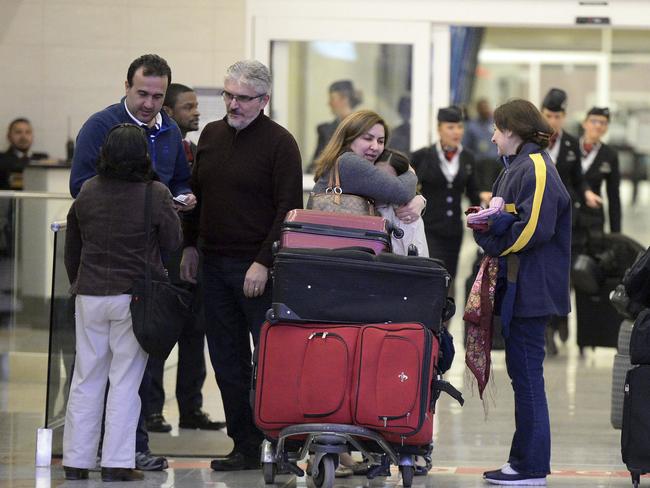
[(439, 385)]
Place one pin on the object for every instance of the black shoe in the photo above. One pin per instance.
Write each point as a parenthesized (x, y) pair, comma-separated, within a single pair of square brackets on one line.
[(199, 420), (75, 473), (157, 423), (121, 474), (145, 461), (236, 461)]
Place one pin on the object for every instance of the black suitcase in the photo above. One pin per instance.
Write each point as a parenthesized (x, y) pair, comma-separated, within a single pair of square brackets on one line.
[(635, 434), (345, 285), (597, 319)]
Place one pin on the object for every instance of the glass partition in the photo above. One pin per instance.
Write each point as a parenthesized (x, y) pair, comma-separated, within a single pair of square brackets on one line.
[(26, 260), (61, 344)]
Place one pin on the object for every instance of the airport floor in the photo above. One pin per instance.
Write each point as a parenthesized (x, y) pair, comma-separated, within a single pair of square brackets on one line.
[(585, 447)]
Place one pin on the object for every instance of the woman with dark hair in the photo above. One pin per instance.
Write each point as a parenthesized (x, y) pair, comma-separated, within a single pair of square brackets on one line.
[(105, 252), (599, 165), (446, 172), (356, 145), (528, 248)]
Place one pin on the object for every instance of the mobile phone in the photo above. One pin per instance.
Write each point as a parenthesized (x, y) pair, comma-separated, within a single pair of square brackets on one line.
[(181, 199)]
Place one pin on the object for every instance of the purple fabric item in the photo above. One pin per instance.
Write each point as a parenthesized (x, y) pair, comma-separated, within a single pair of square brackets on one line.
[(496, 206)]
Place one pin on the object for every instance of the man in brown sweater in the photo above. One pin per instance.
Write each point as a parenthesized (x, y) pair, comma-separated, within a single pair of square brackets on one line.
[(246, 177)]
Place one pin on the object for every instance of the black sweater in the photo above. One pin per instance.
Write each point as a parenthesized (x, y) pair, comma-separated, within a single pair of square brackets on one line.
[(245, 182)]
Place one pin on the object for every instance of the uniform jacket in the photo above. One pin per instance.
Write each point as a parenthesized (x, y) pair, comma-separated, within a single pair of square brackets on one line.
[(569, 167), (105, 245), (165, 148), (605, 168), (541, 237), (443, 215), (325, 132)]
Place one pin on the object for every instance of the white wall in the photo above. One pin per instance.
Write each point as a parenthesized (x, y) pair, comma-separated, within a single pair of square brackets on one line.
[(68, 58)]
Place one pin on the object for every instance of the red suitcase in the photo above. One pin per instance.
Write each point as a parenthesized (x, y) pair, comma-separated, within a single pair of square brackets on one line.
[(303, 374), (377, 376), (393, 374), (329, 230)]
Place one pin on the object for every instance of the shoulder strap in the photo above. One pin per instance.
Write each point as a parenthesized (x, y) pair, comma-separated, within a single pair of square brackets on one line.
[(147, 233)]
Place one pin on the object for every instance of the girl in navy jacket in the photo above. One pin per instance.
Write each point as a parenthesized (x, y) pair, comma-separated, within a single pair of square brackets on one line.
[(534, 262)]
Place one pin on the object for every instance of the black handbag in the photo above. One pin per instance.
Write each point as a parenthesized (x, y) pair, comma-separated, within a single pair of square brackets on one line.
[(159, 310)]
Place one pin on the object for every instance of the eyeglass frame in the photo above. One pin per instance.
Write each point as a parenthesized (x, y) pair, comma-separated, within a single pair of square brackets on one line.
[(229, 97)]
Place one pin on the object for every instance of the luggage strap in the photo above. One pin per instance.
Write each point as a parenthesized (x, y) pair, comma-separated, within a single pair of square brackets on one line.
[(439, 385)]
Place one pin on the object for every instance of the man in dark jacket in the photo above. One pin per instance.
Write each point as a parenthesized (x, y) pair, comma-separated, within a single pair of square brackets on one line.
[(146, 82), (565, 153), (20, 136), (246, 177)]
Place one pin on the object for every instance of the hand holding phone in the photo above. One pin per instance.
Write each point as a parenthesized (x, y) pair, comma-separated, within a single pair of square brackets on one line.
[(181, 199)]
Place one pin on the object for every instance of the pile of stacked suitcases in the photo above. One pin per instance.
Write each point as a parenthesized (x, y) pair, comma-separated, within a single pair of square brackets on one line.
[(347, 359), (635, 429)]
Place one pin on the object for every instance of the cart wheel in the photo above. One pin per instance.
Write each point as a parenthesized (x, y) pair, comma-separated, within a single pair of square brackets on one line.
[(270, 315), (269, 470), (636, 479), (325, 478), (407, 475)]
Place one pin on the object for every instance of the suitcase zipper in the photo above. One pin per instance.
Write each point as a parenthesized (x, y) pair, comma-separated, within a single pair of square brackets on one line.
[(428, 339)]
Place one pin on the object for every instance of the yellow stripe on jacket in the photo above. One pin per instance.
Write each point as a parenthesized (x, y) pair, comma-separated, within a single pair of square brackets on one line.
[(540, 186)]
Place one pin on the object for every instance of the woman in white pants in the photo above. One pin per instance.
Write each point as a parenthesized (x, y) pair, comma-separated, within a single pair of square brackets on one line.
[(105, 253)]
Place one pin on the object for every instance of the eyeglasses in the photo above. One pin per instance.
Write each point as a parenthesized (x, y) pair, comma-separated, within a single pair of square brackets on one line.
[(229, 97)]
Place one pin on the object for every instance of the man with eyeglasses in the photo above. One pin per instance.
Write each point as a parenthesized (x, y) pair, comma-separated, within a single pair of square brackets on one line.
[(146, 82), (246, 177)]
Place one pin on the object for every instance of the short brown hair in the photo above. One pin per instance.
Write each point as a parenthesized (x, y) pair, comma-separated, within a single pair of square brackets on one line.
[(524, 119)]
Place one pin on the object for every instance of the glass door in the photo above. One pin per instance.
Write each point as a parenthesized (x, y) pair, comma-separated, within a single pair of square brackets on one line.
[(385, 66)]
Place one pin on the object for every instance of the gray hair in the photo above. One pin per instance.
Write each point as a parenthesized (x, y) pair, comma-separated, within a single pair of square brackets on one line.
[(252, 73)]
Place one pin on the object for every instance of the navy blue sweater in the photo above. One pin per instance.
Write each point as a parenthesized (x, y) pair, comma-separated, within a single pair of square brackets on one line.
[(165, 148), (541, 237)]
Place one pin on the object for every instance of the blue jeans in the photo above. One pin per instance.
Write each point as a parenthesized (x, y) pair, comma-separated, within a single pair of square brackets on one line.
[(530, 452), (230, 320)]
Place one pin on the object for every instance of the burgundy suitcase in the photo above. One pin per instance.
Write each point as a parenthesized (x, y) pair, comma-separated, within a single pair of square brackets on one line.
[(329, 230), (393, 375), (303, 374)]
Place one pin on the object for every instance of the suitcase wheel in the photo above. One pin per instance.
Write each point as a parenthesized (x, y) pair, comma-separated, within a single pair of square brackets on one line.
[(407, 475), (325, 478), (269, 470), (270, 316)]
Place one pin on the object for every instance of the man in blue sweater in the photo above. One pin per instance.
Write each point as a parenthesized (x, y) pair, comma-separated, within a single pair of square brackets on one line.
[(146, 83), (147, 80)]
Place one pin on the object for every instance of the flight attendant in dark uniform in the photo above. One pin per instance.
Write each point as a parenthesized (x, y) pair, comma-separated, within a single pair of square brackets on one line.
[(565, 153), (599, 164), (445, 171)]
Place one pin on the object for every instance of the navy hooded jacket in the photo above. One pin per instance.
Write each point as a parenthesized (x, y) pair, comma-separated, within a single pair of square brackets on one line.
[(541, 236)]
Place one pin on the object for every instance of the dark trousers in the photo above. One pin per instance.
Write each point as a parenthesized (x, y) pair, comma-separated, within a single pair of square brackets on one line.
[(530, 452), (141, 434), (445, 248), (190, 374), (231, 319)]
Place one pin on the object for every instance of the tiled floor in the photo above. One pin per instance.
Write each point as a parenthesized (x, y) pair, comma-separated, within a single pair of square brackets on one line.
[(585, 450)]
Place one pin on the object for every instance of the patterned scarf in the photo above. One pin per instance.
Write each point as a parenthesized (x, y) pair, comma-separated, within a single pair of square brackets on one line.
[(479, 315)]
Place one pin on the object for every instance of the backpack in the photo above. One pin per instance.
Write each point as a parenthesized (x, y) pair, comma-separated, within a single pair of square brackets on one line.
[(640, 339), (637, 280)]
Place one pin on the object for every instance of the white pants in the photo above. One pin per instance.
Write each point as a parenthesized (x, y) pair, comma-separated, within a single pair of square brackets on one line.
[(106, 350)]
